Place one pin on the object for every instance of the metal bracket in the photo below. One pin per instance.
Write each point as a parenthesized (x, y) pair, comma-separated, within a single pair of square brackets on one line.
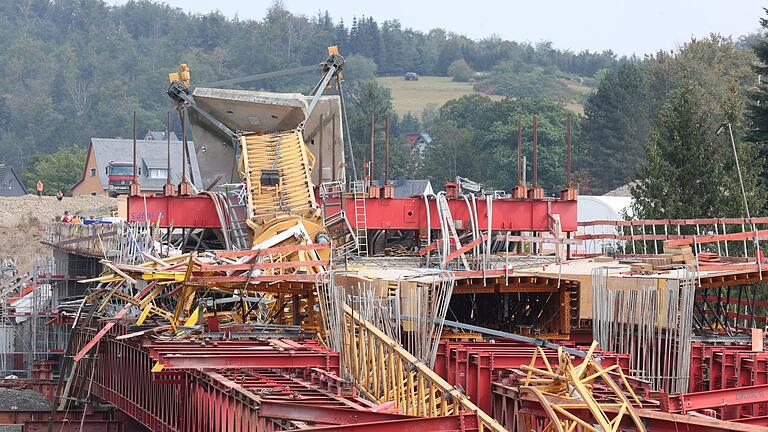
[(180, 94), (331, 69)]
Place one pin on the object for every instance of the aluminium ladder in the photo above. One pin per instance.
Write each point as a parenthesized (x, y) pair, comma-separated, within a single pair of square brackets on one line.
[(361, 218)]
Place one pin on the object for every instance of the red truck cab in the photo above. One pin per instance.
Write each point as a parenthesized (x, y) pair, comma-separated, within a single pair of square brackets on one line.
[(120, 176)]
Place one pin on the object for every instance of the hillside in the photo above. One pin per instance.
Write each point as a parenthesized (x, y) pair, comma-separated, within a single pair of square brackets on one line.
[(23, 219), (414, 96)]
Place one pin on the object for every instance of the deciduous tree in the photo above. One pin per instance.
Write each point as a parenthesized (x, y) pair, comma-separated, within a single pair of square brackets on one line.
[(58, 171)]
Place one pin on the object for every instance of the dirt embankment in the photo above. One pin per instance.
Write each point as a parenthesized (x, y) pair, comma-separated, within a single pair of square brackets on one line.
[(23, 220)]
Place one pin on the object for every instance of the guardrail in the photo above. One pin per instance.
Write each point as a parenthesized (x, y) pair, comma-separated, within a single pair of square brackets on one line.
[(118, 242), (729, 235)]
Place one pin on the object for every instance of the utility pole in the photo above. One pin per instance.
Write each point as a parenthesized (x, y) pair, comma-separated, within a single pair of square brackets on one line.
[(738, 171), (168, 188), (184, 186), (569, 150), (535, 152), (320, 149), (520, 175)]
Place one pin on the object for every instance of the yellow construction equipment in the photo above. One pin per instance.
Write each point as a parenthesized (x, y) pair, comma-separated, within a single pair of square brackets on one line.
[(276, 170), (281, 205)]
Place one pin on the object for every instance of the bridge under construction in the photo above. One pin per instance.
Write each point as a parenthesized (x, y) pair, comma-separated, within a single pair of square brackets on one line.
[(293, 294)]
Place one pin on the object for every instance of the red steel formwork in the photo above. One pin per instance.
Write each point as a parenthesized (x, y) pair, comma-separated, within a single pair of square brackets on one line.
[(37, 421), (233, 386), (512, 405), (729, 390), (475, 366), (727, 380)]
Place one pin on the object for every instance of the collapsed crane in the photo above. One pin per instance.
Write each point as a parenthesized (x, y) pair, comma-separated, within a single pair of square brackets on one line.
[(275, 167)]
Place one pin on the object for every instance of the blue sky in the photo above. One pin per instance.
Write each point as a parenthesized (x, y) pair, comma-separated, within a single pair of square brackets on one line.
[(625, 26)]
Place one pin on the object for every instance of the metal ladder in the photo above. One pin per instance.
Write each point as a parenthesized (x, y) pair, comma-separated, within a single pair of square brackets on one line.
[(332, 195), (361, 218), (335, 221), (237, 213)]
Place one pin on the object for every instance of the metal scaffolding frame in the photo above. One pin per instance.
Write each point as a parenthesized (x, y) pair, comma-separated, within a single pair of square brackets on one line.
[(33, 328)]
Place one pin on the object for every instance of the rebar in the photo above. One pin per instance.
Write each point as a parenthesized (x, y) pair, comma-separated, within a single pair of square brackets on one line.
[(410, 309), (650, 319)]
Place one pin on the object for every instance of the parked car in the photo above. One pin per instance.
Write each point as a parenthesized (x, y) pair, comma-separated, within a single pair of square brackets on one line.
[(411, 76)]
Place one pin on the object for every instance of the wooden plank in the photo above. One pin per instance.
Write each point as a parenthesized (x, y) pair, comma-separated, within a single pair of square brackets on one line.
[(466, 247), (680, 222), (82, 239), (272, 250), (118, 271), (255, 279), (545, 240), (263, 265)]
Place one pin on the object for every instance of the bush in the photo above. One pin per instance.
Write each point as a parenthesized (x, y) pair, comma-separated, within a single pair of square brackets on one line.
[(359, 68), (460, 71)]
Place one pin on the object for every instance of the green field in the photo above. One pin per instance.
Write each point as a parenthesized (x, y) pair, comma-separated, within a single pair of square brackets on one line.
[(413, 96)]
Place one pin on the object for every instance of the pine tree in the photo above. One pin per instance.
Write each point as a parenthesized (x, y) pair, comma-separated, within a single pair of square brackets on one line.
[(617, 127), (690, 171), (758, 112)]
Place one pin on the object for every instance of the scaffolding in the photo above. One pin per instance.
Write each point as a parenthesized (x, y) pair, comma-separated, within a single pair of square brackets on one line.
[(35, 311)]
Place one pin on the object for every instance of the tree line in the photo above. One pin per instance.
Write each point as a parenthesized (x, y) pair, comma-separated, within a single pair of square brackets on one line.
[(76, 69)]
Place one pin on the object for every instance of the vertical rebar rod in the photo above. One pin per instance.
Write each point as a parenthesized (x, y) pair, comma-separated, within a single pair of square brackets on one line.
[(386, 149), (320, 150), (535, 151), (373, 130)]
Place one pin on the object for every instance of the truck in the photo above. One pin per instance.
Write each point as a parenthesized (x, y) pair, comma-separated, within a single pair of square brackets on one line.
[(119, 176)]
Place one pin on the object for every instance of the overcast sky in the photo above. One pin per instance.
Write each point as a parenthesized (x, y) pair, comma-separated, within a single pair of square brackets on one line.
[(624, 26)]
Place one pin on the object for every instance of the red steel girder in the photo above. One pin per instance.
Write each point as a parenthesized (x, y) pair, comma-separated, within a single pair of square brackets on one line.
[(476, 365), (195, 400), (74, 426), (196, 211), (382, 213), (510, 405), (242, 354), (686, 402), (461, 422), (322, 414)]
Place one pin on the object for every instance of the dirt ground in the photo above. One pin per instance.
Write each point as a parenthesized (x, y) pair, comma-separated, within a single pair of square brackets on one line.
[(23, 219), (12, 399)]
